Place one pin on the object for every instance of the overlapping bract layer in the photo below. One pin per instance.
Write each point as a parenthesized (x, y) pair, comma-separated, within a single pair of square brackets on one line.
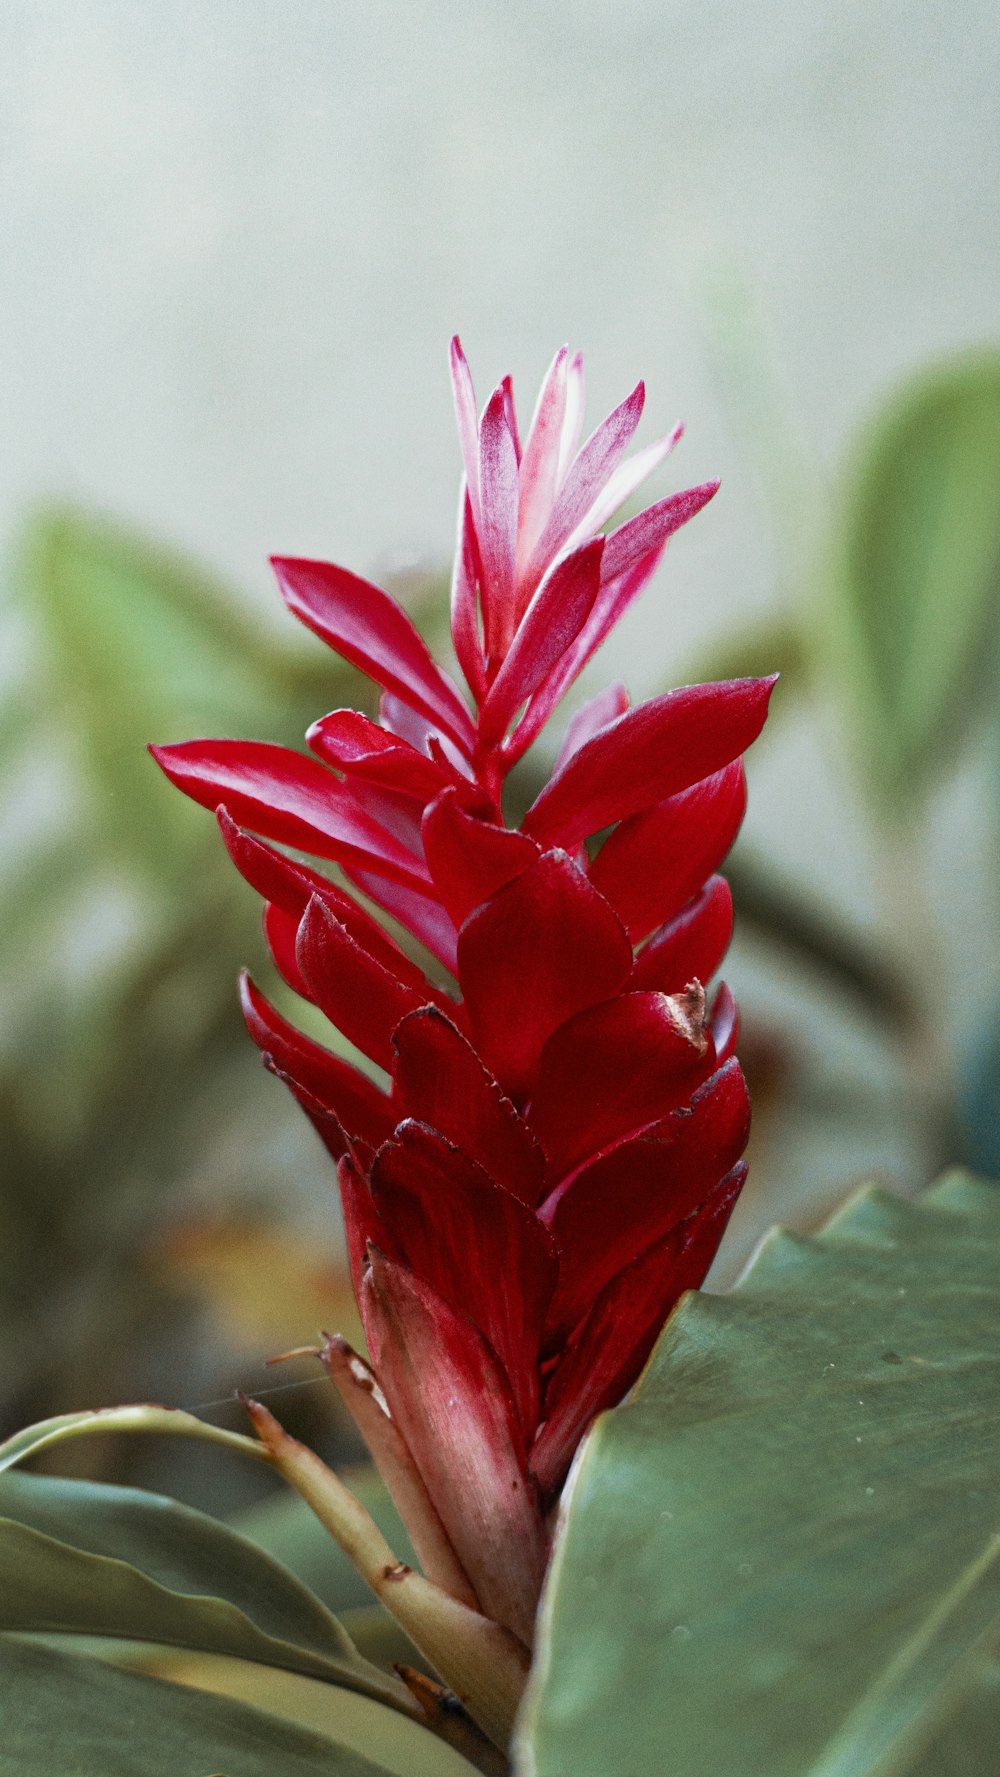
[(557, 1144)]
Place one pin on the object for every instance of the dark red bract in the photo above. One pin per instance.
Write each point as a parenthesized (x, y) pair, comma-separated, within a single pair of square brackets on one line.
[(556, 1147)]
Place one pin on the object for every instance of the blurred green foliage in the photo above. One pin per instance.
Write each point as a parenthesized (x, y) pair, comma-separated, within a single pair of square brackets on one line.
[(912, 597), (901, 631)]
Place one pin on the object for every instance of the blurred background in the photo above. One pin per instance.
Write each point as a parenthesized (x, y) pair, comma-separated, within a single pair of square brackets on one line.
[(237, 239)]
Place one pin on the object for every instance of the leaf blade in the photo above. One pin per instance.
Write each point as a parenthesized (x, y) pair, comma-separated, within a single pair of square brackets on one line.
[(798, 1497), (89, 1559), (67, 1712)]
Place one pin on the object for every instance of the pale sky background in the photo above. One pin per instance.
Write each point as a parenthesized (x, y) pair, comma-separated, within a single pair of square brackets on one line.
[(237, 234)]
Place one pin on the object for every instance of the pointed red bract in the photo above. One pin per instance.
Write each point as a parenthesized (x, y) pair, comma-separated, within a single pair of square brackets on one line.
[(274, 875), (612, 1071), (465, 416), (497, 529), (288, 797), (510, 415), (440, 1080), (653, 863), (628, 476), (357, 993), (464, 602), (448, 1394), (585, 480), (359, 1105), (550, 932), (612, 602), (690, 946), (552, 621), (621, 1330), (291, 886), (650, 752), (356, 745), (649, 530), (369, 629), (469, 859), (539, 469), (635, 1193), (560, 1148), (480, 1248)]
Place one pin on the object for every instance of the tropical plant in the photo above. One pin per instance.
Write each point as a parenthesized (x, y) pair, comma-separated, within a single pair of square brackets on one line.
[(543, 1167)]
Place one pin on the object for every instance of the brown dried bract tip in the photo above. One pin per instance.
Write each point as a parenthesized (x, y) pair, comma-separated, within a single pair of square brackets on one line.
[(398, 1571), (431, 1696), (342, 1361), (283, 1357), (689, 1010), (446, 1715)]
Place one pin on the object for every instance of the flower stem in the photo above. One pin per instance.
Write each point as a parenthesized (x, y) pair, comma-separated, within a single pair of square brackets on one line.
[(479, 1660)]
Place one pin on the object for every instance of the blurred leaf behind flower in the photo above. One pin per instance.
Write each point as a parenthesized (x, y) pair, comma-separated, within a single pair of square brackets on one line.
[(914, 586), (890, 612)]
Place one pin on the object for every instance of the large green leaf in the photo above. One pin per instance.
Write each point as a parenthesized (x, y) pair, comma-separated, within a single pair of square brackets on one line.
[(782, 1556), (113, 1561), (918, 569), (404, 1747), (67, 1716), (956, 1747)]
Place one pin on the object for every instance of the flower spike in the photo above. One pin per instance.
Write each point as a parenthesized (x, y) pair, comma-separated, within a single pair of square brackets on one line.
[(555, 1146)]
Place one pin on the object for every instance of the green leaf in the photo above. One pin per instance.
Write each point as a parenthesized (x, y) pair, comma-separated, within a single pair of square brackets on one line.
[(168, 1421), (782, 1554), (113, 1561), (918, 570), (955, 1749), (85, 1718), (773, 644), (390, 1739)]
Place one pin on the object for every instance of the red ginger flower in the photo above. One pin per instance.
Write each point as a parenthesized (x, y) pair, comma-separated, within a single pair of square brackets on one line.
[(558, 1147)]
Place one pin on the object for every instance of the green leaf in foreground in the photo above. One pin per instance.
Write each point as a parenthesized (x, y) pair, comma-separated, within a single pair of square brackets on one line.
[(782, 1556), (969, 1729), (143, 1417), (916, 581), (82, 1558), (76, 1592), (78, 1716)]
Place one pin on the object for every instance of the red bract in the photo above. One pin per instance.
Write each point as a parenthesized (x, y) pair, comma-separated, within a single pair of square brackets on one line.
[(555, 1146)]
